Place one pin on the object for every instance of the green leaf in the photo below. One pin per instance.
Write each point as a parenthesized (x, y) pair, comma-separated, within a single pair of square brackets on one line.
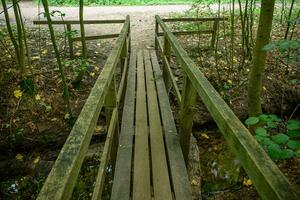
[(264, 118), (287, 153), (274, 151), (275, 118), (251, 121), (293, 144), (271, 125), (260, 139), (280, 138), (294, 133), (293, 125), (261, 132)]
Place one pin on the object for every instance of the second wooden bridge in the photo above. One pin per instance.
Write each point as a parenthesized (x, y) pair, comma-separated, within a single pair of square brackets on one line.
[(146, 151)]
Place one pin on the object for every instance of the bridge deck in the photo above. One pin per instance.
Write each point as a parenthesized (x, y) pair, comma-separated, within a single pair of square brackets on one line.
[(149, 162)]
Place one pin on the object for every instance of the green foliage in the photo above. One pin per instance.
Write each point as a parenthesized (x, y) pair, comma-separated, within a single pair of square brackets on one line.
[(278, 145)]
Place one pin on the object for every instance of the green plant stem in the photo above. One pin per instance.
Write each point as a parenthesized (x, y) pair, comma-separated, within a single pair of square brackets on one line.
[(66, 95)]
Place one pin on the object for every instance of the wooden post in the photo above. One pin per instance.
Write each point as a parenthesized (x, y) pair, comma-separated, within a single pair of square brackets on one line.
[(109, 105), (214, 33), (156, 34), (70, 41), (124, 55), (167, 54), (186, 114)]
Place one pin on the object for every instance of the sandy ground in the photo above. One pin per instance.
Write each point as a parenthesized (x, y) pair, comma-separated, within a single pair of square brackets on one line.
[(142, 18)]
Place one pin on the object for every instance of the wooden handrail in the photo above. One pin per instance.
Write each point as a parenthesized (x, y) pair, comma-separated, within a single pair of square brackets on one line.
[(111, 21), (194, 19), (62, 178), (267, 178)]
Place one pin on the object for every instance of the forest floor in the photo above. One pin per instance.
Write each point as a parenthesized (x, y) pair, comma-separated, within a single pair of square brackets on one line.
[(39, 118)]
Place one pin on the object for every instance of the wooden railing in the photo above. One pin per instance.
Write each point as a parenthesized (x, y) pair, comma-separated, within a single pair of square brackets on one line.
[(69, 23), (267, 178), (212, 31), (62, 178)]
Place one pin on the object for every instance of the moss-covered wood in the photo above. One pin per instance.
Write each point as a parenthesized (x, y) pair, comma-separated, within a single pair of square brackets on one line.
[(268, 179), (62, 178)]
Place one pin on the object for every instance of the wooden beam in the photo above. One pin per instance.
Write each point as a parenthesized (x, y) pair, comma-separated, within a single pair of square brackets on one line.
[(193, 19), (62, 178), (111, 21), (268, 180), (96, 37), (194, 32)]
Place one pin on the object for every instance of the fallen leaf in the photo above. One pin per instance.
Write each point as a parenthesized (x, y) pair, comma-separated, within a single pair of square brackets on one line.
[(247, 182), (205, 135), (19, 157), (18, 93)]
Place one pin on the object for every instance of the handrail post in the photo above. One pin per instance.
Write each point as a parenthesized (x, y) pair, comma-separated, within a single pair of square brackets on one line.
[(167, 54), (214, 33), (70, 41), (109, 105), (156, 34), (186, 114)]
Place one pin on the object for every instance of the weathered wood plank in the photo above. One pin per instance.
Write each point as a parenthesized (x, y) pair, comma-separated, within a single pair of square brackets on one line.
[(111, 21), (267, 178), (194, 32), (62, 178), (122, 177), (111, 135), (141, 171), (96, 37), (186, 115), (160, 174), (178, 172), (193, 19)]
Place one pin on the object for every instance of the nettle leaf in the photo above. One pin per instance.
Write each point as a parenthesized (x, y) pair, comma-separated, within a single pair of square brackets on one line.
[(268, 142), (261, 132), (293, 144), (271, 125), (251, 121), (280, 138), (293, 125), (274, 151), (294, 133)]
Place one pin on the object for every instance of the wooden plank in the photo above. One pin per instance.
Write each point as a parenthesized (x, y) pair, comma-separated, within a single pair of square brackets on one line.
[(160, 174), (96, 37), (62, 178), (193, 19), (194, 32), (122, 177), (141, 171), (178, 171), (70, 41), (267, 178), (111, 21), (111, 134)]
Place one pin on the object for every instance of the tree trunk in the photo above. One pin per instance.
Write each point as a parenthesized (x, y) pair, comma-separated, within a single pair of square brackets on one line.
[(258, 64)]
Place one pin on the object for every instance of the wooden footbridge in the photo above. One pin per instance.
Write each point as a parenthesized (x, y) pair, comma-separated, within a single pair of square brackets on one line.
[(143, 145)]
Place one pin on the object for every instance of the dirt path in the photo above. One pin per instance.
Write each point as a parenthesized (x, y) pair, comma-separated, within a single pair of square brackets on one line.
[(142, 18)]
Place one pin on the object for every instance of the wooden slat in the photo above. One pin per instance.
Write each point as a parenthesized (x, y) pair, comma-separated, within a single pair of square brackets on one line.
[(96, 37), (193, 19), (194, 32), (179, 176), (62, 178), (111, 21), (267, 178), (160, 175), (173, 81), (111, 134), (122, 177), (141, 171)]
